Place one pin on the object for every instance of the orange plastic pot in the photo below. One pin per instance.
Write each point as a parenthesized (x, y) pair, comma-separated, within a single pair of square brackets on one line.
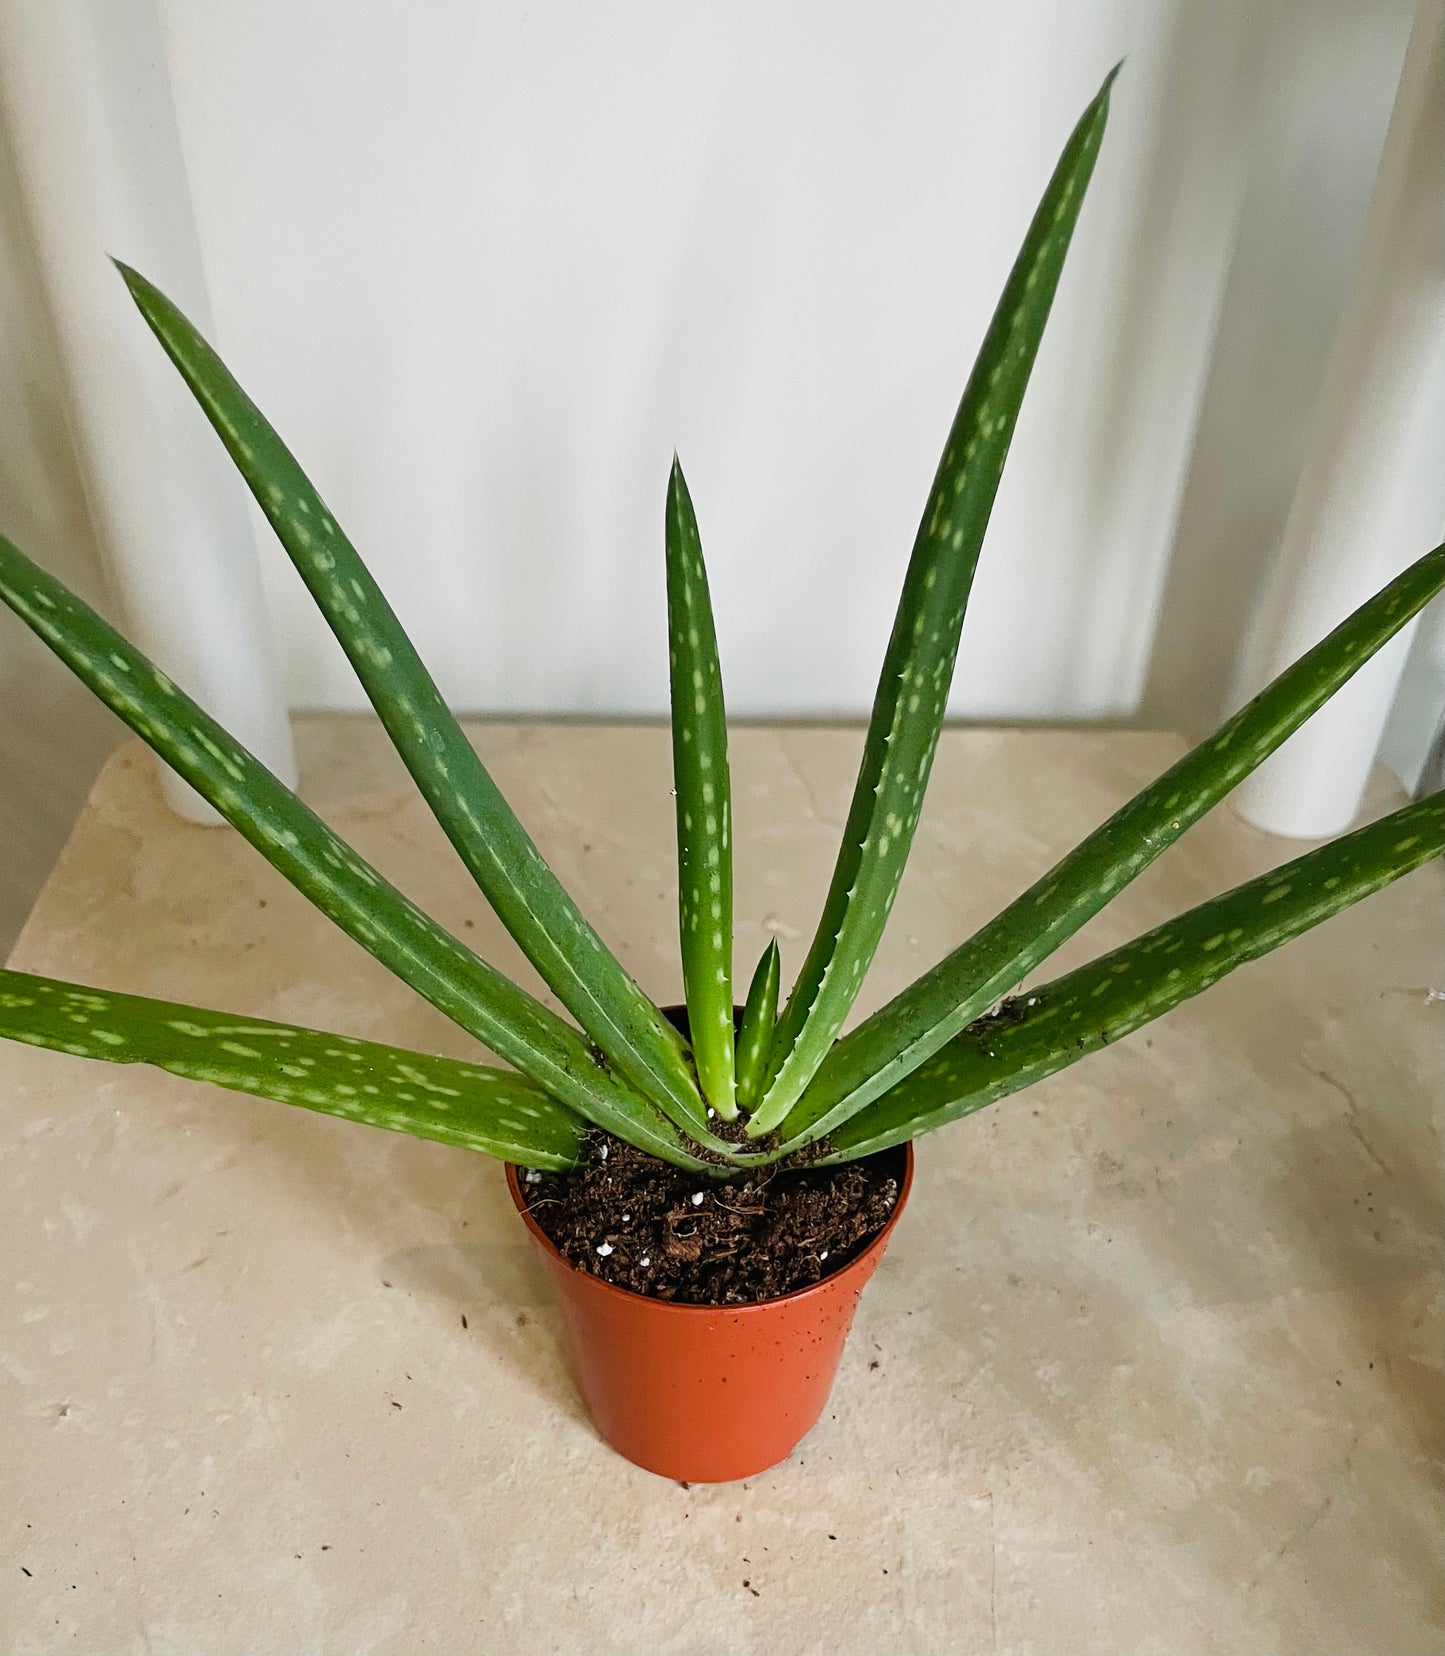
[(706, 1393)]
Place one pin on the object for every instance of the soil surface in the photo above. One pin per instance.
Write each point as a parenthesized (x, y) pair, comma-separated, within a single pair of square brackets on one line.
[(642, 1224)]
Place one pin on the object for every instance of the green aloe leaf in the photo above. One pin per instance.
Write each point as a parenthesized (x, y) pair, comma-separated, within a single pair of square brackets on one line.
[(497, 850), (755, 1033), (1060, 1022), (470, 1105), (915, 1024), (918, 667), (321, 865), (704, 803)]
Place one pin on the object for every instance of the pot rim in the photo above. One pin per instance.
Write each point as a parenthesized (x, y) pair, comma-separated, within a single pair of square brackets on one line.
[(745, 1308)]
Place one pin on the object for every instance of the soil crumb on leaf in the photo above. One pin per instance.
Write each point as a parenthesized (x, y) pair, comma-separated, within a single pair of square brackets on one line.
[(641, 1224)]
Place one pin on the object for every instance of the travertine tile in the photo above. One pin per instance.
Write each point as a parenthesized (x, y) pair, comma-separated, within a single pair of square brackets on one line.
[(1153, 1363)]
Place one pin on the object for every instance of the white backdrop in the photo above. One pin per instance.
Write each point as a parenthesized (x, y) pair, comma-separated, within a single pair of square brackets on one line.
[(486, 265)]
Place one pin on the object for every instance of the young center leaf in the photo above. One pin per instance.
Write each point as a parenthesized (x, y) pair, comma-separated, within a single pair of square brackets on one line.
[(470, 1105), (1060, 1022), (497, 850), (915, 1024), (295, 841), (918, 666), (704, 803), (755, 1032)]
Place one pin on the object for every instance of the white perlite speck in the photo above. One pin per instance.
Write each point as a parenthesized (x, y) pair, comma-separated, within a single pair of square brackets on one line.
[(602, 1152), (626, 1218), (822, 1256), (697, 1198), (604, 1248), (533, 1176), (645, 1262)]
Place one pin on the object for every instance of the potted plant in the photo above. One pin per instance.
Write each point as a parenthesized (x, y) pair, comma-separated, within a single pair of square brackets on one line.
[(710, 1193)]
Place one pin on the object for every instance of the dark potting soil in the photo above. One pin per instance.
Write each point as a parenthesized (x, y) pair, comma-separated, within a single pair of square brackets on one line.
[(642, 1224)]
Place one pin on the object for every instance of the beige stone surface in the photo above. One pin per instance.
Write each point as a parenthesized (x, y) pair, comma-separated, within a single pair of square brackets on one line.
[(1153, 1363)]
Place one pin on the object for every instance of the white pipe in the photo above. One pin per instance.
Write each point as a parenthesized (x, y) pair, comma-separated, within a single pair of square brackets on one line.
[(1371, 494), (87, 102), (1414, 737)]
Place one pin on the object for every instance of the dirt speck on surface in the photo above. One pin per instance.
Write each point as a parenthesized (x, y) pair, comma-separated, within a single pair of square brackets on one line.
[(644, 1225)]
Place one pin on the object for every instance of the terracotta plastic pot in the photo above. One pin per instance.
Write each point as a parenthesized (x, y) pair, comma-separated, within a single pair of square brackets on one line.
[(707, 1393)]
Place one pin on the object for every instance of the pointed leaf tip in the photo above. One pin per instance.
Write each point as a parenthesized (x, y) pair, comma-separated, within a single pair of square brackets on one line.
[(756, 1031), (136, 284)]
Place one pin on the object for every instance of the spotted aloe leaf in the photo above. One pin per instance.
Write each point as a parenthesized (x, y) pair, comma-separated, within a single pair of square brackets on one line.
[(325, 869), (470, 1105), (1060, 1022), (704, 803), (497, 850), (918, 666), (755, 1032), (912, 1026)]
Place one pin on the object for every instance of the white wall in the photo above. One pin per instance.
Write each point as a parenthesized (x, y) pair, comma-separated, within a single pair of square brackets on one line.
[(485, 266)]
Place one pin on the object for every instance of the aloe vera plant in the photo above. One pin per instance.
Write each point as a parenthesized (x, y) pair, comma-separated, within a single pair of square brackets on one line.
[(939, 1050)]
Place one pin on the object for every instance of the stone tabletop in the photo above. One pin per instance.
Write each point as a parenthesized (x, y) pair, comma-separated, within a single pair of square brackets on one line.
[(1153, 1362)]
